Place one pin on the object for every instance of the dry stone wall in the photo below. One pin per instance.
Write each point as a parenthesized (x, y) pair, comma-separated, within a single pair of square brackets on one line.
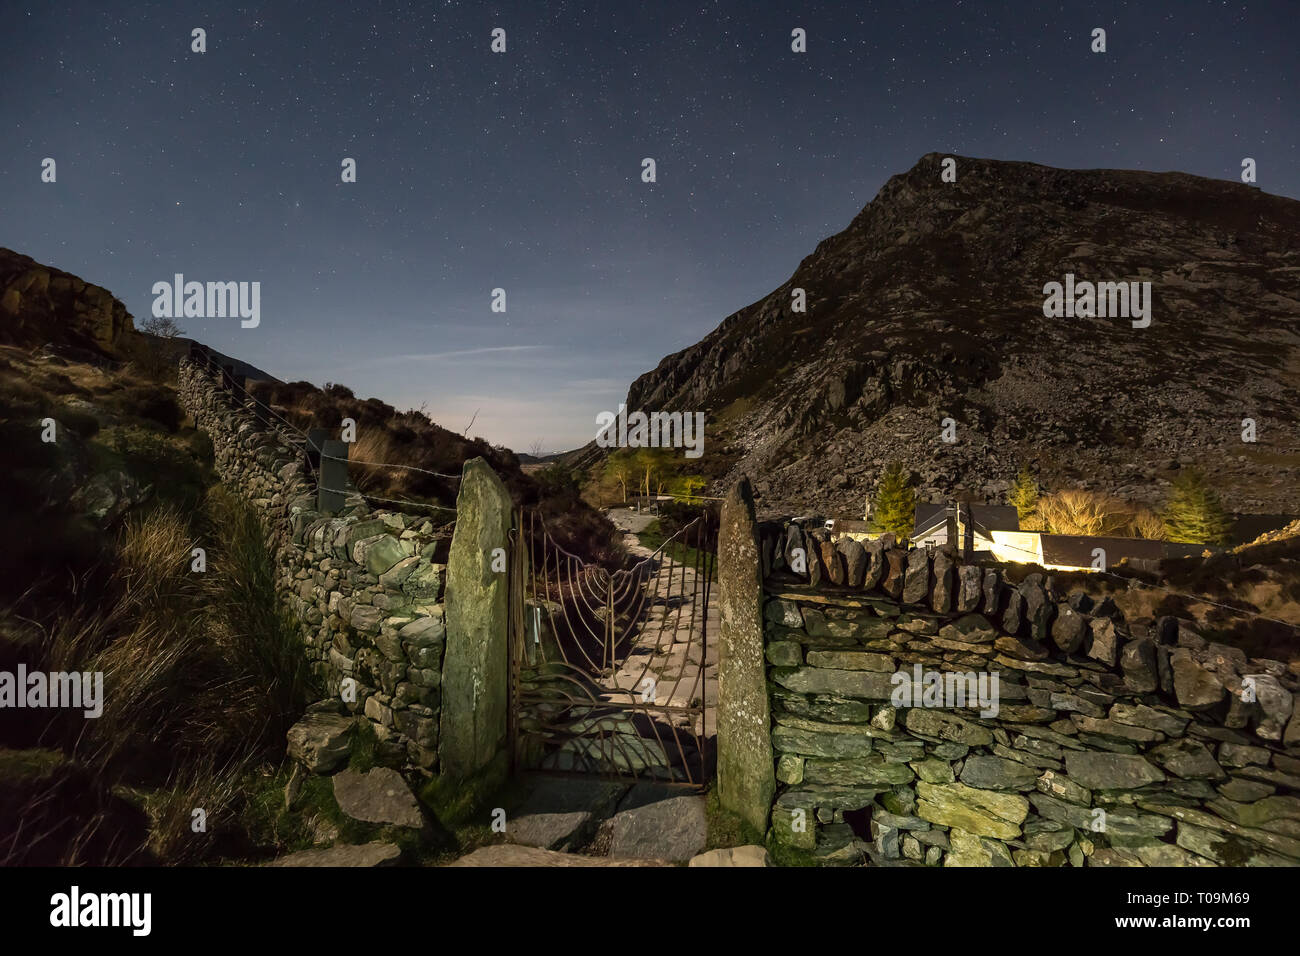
[(366, 587), (1101, 743)]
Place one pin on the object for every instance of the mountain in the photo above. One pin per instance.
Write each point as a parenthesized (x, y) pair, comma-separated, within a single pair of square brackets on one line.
[(930, 305)]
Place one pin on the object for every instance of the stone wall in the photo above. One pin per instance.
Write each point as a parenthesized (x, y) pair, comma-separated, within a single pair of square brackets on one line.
[(366, 587), (1105, 743)]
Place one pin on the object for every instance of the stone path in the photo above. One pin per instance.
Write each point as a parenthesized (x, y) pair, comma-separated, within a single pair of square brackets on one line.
[(669, 647)]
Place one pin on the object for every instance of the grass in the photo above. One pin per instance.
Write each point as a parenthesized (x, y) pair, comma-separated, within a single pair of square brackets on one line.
[(653, 537), (203, 674)]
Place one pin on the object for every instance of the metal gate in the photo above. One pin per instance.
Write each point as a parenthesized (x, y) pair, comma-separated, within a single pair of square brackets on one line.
[(613, 672)]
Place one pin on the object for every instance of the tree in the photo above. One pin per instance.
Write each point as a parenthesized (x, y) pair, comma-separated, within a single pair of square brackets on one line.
[(1194, 514), (1078, 511), (895, 507), (618, 467), (648, 464), (684, 489), (154, 354), (1024, 497), (164, 327)]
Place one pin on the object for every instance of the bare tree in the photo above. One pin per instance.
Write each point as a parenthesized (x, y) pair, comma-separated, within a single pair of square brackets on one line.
[(154, 352)]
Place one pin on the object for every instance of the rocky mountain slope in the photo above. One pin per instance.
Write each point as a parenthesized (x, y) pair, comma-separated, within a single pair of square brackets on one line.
[(930, 305)]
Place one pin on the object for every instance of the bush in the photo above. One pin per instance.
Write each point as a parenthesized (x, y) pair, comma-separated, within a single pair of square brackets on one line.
[(1075, 511)]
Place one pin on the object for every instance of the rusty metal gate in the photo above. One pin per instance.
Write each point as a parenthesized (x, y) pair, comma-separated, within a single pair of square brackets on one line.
[(613, 672)]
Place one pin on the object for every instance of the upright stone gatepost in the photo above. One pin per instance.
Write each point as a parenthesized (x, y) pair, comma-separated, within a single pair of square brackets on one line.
[(475, 672), (746, 778)]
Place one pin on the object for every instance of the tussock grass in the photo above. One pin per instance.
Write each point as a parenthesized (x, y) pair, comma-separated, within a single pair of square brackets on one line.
[(202, 673)]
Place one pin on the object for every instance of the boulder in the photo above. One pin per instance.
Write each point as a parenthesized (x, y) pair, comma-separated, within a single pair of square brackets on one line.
[(321, 741)]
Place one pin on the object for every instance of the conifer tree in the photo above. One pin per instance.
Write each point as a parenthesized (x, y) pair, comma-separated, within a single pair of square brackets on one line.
[(1194, 514), (895, 506), (1024, 497)]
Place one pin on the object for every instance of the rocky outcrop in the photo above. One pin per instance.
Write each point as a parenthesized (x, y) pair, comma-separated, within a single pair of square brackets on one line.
[(40, 304)]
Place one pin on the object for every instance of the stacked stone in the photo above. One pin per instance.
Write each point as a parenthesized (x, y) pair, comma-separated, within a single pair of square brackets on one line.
[(1111, 744), (366, 588)]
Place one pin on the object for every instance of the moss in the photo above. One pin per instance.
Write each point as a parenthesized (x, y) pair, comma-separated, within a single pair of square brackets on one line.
[(458, 802), (726, 829), (361, 756), (783, 855), (464, 810)]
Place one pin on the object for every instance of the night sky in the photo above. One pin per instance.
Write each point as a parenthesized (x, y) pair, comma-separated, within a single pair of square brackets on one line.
[(522, 170)]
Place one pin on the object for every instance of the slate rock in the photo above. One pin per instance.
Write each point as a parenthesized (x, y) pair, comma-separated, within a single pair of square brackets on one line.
[(380, 796), (674, 829), (1195, 687), (970, 578), (1108, 771), (321, 741), (855, 561), (366, 854), (916, 586)]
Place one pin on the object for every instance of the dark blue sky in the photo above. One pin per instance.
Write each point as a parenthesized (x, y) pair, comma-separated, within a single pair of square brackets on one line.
[(522, 170)]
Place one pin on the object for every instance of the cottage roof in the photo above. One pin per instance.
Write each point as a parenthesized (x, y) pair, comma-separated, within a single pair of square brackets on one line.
[(931, 516)]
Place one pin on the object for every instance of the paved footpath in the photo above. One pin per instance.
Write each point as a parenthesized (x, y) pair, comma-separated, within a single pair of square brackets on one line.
[(670, 646)]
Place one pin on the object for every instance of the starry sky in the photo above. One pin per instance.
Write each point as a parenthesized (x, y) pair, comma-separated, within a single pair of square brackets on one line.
[(522, 170)]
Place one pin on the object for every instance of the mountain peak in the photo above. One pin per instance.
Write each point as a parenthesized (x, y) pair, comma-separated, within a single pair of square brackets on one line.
[(931, 305)]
